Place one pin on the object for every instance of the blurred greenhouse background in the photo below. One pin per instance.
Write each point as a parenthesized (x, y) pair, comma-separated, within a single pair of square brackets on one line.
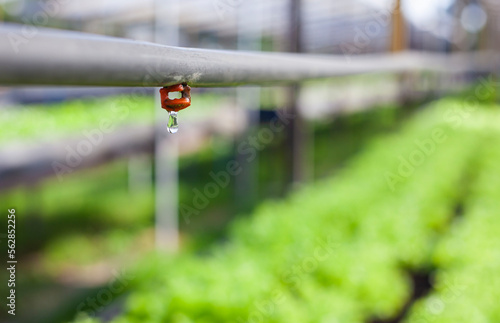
[(363, 198)]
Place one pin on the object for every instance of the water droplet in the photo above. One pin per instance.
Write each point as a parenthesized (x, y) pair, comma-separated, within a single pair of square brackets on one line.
[(173, 123)]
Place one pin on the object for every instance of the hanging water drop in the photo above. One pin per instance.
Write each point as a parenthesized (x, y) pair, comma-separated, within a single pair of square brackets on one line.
[(175, 105), (173, 123)]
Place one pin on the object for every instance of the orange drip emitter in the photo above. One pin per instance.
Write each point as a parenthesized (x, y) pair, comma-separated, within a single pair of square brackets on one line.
[(175, 105)]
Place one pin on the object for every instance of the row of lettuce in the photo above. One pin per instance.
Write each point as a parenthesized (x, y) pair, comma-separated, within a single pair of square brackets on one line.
[(343, 249), (467, 284)]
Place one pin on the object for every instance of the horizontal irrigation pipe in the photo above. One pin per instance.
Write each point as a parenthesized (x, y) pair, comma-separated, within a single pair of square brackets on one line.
[(36, 56)]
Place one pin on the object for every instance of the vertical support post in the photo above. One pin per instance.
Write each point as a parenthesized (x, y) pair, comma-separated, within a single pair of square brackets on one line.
[(483, 36), (166, 145), (398, 39), (248, 98), (296, 142), (398, 44), (458, 34)]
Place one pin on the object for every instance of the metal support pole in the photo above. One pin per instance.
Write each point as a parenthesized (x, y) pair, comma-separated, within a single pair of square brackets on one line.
[(398, 44), (166, 146), (398, 40), (248, 98), (297, 134)]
